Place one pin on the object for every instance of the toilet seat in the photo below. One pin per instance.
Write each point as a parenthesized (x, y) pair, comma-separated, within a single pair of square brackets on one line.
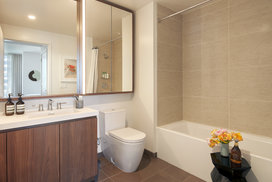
[(128, 135)]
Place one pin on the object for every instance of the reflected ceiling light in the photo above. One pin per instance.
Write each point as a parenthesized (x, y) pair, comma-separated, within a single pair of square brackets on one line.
[(31, 17)]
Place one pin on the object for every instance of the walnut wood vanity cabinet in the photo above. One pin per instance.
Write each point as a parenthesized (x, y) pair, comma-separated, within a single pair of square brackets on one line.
[(77, 143), (62, 152), (33, 154), (3, 160)]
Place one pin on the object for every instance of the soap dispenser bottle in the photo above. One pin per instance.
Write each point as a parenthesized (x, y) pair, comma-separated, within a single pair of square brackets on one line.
[(9, 106), (20, 105)]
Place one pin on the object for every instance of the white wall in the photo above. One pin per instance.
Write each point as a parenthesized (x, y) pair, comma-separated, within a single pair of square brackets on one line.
[(31, 61), (60, 46), (141, 113), (127, 53)]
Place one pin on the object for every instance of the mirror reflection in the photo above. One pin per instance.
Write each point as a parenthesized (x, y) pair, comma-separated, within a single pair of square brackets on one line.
[(40, 47), (25, 68), (109, 48)]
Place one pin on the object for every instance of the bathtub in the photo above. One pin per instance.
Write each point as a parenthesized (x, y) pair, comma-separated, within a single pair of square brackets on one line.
[(184, 145)]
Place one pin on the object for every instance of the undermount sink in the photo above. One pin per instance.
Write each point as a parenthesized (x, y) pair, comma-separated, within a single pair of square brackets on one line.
[(38, 114)]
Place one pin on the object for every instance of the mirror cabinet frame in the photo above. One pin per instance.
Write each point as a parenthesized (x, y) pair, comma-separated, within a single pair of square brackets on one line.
[(81, 10)]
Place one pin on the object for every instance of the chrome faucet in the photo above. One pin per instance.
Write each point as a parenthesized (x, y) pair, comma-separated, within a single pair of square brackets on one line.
[(50, 104), (40, 107), (59, 104)]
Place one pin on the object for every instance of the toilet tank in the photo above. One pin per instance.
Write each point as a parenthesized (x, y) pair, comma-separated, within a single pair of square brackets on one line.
[(113, 119)]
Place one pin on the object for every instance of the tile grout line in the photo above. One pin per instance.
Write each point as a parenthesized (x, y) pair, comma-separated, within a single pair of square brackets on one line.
[(157, 173), (114, 175), (228, 67)]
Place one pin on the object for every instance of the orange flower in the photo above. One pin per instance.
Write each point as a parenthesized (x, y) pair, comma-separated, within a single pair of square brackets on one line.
[(237, 136), (212, 142), (225, 137), (213, 133)]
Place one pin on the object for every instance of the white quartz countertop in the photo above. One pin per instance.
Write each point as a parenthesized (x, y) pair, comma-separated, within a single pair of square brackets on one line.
[(32, 118)]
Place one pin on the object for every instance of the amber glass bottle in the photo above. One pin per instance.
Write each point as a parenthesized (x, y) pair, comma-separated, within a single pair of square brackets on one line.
[(9, 107), (20, 105), (235, 156)]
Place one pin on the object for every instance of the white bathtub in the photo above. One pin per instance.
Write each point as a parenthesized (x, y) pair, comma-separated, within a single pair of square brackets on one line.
[(184, 145)]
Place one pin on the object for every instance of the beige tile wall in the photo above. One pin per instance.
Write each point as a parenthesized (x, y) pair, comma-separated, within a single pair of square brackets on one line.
[(112, 66), (117, 65), (227, 65), (169, 68), (104, 65)]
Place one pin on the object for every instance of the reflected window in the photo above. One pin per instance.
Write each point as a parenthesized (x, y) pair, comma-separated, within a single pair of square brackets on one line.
[(25, 68)]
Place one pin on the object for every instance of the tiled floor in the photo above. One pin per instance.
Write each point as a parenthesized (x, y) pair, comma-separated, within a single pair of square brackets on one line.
[(150, 170)]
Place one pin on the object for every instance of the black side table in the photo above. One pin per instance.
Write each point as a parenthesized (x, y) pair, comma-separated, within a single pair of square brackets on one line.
[(223, 172)]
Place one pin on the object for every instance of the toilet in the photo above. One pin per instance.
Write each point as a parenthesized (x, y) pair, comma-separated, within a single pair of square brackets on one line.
[(121, 145)]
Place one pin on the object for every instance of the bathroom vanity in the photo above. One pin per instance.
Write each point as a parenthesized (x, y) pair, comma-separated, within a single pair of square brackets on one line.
[(60, 147)]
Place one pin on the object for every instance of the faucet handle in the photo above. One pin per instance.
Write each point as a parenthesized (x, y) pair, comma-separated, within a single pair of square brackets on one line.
[(40, 106), (59, 104)]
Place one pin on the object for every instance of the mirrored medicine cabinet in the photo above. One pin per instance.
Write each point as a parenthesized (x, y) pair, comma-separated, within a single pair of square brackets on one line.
[(39, 48)]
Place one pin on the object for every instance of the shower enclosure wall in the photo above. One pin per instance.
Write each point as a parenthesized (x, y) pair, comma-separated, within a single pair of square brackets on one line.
[(214, 65), (215, 69)]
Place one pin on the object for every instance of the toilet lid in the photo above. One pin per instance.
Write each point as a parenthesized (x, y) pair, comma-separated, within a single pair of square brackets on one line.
[(128, 135)]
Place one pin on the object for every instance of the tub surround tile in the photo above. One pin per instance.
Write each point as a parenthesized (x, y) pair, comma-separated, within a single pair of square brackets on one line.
[(205, 110), (249, 16), (191, 39), (169, 65), (169, 57), (163, 11), (214, 83), (215, 34), (215, 18), (251, 116), (214, 111), (191, 32), (169, 110), (172, 25), (258, 23), (167, 32), (169, 84), (191, 27), (191, 15), (214, 55), (227, 66), (192, 109), (251, 50), (192, 83), (252, 83), (169, 75), (192, 57), (213, 7)]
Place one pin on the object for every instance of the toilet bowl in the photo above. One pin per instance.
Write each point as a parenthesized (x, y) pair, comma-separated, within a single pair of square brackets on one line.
[(122, 146)]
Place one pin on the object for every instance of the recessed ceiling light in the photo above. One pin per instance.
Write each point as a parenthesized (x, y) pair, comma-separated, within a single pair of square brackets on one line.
[(31, 17)]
